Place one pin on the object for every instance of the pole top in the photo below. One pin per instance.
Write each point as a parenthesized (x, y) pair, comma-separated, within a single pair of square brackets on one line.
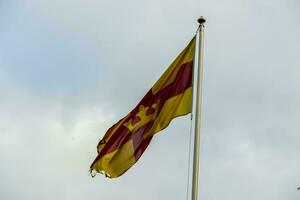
[(201, 20)]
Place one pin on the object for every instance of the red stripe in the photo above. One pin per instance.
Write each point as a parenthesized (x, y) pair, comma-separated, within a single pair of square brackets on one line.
[(182, 81)]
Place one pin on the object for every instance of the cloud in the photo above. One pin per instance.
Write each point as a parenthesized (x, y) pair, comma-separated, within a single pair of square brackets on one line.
[(48, 145), (70, 69)]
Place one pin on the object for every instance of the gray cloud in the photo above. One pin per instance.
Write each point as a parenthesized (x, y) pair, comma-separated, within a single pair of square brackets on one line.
[(69, 70)]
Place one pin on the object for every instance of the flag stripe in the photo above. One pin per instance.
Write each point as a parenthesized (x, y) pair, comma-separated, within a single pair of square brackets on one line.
[(117, 162), (110, 132), (186, 56), (168, 112)]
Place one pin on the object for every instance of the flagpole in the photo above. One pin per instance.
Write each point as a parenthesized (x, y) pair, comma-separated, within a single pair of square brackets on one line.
[(196, 159)]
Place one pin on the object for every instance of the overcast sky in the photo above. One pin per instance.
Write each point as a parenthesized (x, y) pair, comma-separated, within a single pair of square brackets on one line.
[(69, 69)]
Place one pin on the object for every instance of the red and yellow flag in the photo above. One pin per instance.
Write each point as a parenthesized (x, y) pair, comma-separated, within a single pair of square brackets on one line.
[(170, 97)]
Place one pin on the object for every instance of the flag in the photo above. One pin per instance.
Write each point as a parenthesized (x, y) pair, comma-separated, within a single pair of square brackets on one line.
[(170, 97)]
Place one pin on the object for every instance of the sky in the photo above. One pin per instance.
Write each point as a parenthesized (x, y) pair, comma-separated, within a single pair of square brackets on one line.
[(69, 69)]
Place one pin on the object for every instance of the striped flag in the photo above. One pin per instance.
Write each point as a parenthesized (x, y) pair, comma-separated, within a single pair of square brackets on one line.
[(170, 97)]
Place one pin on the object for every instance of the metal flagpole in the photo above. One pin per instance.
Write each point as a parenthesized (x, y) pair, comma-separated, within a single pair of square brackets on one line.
[(196, 159)]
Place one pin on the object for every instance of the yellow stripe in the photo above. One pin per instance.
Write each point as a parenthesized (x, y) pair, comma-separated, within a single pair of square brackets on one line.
[(174, 107), (117, 162), (187, 55)]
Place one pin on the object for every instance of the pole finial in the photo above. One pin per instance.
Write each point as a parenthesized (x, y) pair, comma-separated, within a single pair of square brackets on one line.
[(201, 20)]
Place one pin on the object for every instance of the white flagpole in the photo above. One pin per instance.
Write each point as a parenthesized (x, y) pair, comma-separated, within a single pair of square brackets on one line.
[(196, 159)]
